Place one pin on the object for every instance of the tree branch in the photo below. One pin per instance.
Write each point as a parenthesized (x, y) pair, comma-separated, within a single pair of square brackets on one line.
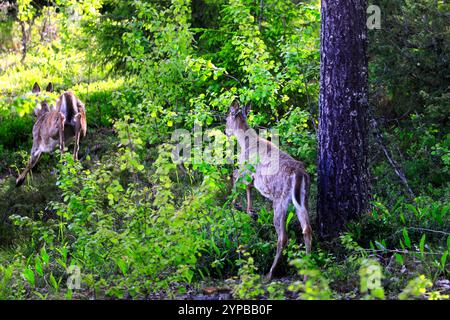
[(261, 13), (398, 171)]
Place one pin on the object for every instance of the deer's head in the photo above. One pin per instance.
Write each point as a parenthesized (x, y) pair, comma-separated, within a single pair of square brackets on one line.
[(237, 118), (41, 107)]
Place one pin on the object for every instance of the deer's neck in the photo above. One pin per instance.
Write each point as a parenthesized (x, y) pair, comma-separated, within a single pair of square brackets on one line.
[(246, 136)]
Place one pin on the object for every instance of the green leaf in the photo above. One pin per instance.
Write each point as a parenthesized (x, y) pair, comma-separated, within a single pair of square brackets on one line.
[(289, 218), (402, 218), (214, 246), (44, 256), (69, 294), (380, 246), (422, 243), (406, 238), (38, 266), (61, 263), (122, 265), (28, 274), (399, 258), (53, 282), (412, 208)]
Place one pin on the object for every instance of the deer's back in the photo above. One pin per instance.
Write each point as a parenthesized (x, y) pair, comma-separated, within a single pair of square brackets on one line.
[(46, 131), (274, 169)]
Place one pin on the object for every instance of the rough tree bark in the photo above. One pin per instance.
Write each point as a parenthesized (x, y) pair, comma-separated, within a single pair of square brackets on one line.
[(342, 138), (24, 41), (26, 35)]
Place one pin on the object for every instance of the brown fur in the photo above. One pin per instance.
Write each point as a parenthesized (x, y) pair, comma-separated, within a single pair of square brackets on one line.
[(289, 183), (64, 123)]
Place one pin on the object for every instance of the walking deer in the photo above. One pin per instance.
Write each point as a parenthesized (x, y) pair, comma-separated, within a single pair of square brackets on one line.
[(276, 175), (59, 125)]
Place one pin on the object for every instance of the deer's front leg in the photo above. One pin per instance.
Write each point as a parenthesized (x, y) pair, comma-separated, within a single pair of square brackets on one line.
[(249, 199), (250, 210), (31, 163), (62, 120), (248, 189), (234, 178)]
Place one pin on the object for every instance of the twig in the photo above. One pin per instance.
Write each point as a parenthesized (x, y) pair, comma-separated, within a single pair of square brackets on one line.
[(391, 161), (226, 74), (430, 230), (404, 251)]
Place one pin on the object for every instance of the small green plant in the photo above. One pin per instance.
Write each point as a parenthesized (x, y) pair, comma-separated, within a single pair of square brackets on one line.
[(250, 286), (416, 288), (315, 286), (371, 274)]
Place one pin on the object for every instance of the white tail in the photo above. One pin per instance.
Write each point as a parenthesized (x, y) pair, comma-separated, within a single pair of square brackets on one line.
[(301, 204)]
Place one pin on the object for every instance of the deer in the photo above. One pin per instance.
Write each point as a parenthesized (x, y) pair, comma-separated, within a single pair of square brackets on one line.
[(276, 175), (60, 125)]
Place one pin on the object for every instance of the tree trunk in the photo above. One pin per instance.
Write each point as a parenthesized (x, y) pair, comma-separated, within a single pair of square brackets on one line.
[(24, 41), (342, 138)]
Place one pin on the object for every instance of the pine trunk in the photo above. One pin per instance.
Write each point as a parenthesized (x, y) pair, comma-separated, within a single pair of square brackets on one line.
[(343, 102)]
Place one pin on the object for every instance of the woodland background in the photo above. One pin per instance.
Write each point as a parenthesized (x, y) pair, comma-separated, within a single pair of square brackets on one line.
[(138, 226)]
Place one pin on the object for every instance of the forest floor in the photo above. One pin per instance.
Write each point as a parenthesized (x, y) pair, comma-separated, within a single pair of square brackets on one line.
[(40, 186)]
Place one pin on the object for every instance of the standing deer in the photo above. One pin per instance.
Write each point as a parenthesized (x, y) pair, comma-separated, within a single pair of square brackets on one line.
[(60, 125), (277, 176)]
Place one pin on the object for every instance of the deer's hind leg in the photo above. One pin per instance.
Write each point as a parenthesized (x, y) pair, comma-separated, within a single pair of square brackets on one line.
[(250, 211), (279, 220), (303, 217), (234, 179), (303, 214), (77, 130)]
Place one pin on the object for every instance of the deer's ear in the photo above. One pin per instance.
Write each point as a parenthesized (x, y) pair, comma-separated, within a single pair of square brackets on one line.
[(49, 87), (36, 111), (234, 108), (36, 88), (246, 109)]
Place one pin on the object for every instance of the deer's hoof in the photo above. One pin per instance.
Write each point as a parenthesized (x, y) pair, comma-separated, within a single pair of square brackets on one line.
[(268, 277), (237, 206), (253, 214), (19, 182)]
